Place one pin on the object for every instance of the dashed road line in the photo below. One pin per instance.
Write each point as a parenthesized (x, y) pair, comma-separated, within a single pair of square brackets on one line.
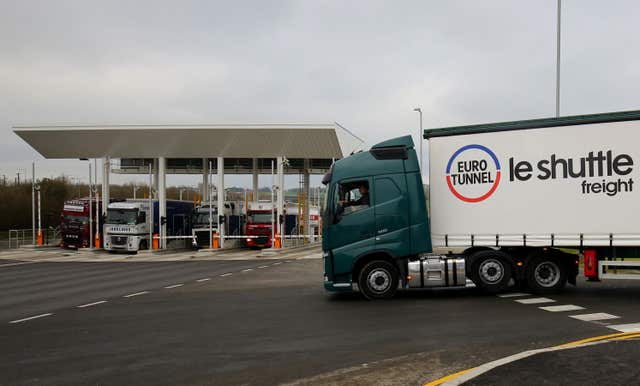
[(31, 318), (513, 295), (277, 263), (174, 286), (203, 279), (247, 270), (91, 304), (263, 266), (631, 327), (562, 308), (136, 294), (226, 274), (594, 317), (535, 301)]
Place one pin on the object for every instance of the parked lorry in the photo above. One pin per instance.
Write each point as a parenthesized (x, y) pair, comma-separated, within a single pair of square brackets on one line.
[(262, 215), (202, 228), (128, 222), (508, 203), (74, 222)]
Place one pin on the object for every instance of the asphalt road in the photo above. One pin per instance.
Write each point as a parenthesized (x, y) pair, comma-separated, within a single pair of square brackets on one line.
[(263, 322)]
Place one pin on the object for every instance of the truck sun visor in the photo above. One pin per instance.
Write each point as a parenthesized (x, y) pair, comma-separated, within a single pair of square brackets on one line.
[(391, 152)]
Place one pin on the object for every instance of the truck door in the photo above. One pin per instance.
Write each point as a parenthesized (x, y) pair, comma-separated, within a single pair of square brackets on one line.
[(392, 215), (352, 231)]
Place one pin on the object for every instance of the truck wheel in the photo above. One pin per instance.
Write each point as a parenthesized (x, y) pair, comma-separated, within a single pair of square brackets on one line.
[(143, 245), (378, 280), (546, 274), (491, 270)]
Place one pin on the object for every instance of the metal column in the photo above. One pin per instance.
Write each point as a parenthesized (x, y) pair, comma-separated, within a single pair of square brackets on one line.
[(307, 206), (162, 200), (106, 170), (280, 197), (220, 191), (255, 180), (205, 180)]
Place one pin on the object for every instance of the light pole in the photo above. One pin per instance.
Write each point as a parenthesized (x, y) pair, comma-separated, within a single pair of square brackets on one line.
[(135, 189), (558, 62), (181, 190), (419, 110), (37, 188)]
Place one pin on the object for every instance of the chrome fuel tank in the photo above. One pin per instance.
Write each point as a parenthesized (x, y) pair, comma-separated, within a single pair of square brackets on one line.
[(436, 271)]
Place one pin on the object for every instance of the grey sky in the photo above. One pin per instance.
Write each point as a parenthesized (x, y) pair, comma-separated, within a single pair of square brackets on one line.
[(365, 64)]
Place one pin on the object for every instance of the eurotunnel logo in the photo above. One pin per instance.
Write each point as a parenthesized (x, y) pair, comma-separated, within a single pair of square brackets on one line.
[(473, 173)]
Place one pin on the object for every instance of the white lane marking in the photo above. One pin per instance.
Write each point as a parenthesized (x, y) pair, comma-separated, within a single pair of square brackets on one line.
[(20, 263), (631, 327), (262, 266), (136, 294), (562, 308), (535, 301), (203, 279), (513, 295), (226, 274), (247, 270), (31, 318), (594, 317), (91, 304), (278, 263), (174, 286)]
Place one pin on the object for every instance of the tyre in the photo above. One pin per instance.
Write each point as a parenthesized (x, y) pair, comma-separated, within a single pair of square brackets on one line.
[(491, 271), (546, 274), (378, 280), (143, 245)]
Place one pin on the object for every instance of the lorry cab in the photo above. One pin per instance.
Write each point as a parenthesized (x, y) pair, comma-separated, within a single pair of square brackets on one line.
[(374, 236), (126, 227)]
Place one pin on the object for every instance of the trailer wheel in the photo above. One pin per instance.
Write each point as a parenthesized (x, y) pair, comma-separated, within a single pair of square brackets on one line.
[(546, 274), (491, 270), (378, 280)]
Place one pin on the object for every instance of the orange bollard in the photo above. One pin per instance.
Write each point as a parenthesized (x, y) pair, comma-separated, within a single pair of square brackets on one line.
[(156, 241), (97, 241), (216, 240), (277, 241), (40, 240)]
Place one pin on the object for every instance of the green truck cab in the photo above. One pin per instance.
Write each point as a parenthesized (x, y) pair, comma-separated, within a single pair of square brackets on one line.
[(367, 241)]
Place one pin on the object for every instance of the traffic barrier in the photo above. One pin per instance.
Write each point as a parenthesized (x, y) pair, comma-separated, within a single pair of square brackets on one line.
[(277, 242), (216, 240), (97, 240), (40, 239), (156, 241)]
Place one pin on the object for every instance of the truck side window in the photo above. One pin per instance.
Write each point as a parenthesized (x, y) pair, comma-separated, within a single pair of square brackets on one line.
[(354, 196)]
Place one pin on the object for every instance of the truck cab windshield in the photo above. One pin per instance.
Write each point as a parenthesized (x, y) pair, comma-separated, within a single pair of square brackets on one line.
[(259, 218), (122, 216)]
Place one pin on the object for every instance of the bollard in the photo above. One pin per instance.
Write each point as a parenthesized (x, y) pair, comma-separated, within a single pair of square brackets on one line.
[(97, 241), (277, 242), (40, 238), (156, 241), (216, 240)]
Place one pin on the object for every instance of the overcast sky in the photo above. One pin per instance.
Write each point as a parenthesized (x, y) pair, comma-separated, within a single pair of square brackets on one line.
[(365, 64)]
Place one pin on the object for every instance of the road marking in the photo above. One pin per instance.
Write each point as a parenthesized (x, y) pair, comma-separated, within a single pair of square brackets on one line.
[(136, 294), (465, 375), (173, 286), (20, 263), (203, 279), (91, 304), (262, 266), (247, 270), (513, 295), (226, 274), (535, 301), (278, 263), (563, 308), (594, 317), (31, 318), (632, 327)]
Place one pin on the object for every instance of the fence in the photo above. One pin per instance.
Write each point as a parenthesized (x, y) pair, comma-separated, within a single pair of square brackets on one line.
[(20, 237)]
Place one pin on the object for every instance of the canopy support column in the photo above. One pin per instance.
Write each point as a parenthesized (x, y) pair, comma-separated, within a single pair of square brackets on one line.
[(255, 180), (307, 207), (205, 180), (106, 170), (220, 190), (162, 201), (280, 198)]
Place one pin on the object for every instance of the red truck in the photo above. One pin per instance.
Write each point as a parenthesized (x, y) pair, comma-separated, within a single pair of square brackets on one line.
[(260, 217), (74, 222)]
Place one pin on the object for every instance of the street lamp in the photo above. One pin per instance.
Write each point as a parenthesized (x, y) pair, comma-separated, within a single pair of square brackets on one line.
[(419, 110)]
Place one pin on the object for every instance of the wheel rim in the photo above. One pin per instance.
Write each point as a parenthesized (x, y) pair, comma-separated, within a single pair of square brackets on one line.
[(379, 280), (547, 274), (491, 271)]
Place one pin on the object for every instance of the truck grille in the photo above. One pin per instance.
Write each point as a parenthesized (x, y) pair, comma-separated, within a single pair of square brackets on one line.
[(119, 240)]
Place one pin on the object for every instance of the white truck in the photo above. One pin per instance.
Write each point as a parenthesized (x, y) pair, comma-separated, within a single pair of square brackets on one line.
[(126, 227)]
